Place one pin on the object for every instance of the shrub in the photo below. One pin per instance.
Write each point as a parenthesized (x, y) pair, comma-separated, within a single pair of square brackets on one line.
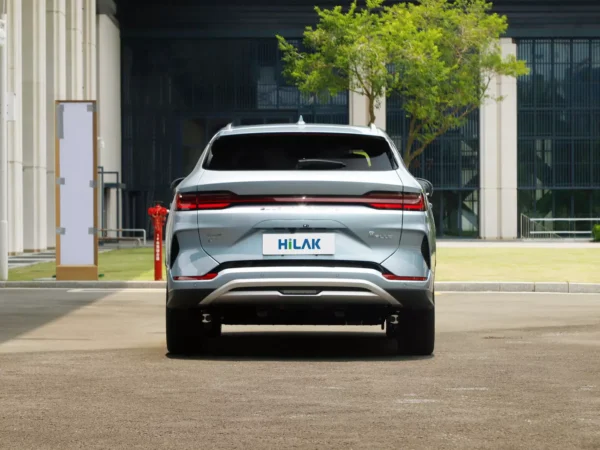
[(596, 233)]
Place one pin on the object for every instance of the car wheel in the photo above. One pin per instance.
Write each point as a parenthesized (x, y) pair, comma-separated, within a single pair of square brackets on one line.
[(415, 332), (184, 331)]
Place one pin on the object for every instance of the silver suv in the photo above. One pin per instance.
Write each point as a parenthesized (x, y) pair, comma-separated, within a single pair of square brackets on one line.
[(300, 224)]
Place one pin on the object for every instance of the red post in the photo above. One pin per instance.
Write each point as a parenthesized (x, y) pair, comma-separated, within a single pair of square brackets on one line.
[(158, 214)]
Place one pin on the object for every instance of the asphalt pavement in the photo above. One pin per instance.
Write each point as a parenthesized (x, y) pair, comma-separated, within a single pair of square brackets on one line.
[(88, 369)]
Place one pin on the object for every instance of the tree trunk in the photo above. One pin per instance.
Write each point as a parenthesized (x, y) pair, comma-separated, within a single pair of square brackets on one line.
[(371, 110)]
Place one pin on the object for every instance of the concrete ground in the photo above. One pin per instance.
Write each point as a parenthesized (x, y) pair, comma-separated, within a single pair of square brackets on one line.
[(88, 369)]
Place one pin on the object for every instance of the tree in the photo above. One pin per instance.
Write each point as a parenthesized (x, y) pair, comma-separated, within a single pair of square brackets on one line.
[(439, 56)]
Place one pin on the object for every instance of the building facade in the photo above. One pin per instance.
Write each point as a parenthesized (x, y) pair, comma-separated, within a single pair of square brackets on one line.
[(168, 75), (55, 50)]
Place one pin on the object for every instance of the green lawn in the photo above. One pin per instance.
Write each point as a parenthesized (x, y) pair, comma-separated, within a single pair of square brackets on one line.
[(115, 265), (454, 264), (519, 264)]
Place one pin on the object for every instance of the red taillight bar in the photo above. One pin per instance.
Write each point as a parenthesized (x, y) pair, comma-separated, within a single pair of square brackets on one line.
[(376, 200)]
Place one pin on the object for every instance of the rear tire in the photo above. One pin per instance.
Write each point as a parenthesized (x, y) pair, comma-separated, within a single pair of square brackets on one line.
[(185, 334), (415, 332)]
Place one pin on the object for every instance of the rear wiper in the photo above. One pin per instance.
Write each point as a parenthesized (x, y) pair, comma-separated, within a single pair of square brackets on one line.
[(317, 164)]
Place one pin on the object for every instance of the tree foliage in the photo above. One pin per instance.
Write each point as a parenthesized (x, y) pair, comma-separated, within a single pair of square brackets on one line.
[(439, 56)]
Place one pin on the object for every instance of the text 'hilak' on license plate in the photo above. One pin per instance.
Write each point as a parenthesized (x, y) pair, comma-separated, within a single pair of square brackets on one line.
[(299, 244)]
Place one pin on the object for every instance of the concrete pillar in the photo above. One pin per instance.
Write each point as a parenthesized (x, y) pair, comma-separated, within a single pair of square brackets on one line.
[(56, 89), (14, 134), (498, 157), (109, 109), (75, 63), (489, 166), (89, 49), (508, 147), (359, 111), (34, 124)]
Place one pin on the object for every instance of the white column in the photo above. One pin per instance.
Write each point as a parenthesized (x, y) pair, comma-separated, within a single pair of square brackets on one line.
[(3, 154), (56, 89), (34, 124), (14, 134), (498, 157), (381, 114), (507, 126), (75, 64), (89, 49), (359, 111), (489, 165), (109, 104)]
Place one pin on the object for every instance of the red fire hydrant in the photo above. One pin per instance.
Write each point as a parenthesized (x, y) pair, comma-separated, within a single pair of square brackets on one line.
[(159, 216)]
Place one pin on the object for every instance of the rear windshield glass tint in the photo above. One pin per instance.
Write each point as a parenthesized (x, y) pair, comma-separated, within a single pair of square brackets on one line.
[(279, 151)]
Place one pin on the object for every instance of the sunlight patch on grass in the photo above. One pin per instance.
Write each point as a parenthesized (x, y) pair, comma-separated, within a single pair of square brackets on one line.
[(518, 264)]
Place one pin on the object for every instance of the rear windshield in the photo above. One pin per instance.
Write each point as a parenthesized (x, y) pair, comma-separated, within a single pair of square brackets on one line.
[(300, 151)]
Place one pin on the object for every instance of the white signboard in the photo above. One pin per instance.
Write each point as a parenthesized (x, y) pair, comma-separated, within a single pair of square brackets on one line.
[(76, 199)]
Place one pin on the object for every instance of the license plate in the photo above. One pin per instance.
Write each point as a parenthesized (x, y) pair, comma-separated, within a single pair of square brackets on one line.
[(299, 244)]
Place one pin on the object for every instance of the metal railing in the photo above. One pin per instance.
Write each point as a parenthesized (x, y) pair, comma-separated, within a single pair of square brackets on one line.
[(536, 228), (118, 237)]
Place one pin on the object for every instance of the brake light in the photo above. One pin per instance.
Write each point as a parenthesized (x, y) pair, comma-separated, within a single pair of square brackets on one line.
[(405, 202), (186, 202), (196, 201), (208, 276), (377, 200)]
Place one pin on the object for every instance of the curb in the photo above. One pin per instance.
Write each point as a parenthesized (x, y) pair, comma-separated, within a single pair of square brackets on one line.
[(84, 284), (442, 286), (521, 287)]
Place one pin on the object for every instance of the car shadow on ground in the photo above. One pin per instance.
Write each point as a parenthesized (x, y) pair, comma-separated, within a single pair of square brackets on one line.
[(300, 346), (24, 310)]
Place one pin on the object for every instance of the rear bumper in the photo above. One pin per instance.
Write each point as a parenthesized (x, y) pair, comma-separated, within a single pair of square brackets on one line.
[(310, 286)]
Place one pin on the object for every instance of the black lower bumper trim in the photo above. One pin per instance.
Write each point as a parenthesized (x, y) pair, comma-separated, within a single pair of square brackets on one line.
[(186, 298), (414, 299)]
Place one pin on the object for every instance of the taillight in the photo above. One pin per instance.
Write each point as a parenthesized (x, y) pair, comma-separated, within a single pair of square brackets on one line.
[(391, 200), (197, 201), (186, 202), (214, 200), (377, 200)]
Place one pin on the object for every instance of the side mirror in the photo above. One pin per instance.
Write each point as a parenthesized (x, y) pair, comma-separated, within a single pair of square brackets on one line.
[(427, 186), (175, 183)]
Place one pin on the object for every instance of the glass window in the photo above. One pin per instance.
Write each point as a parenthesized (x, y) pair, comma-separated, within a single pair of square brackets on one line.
[(596, 204), (559, 128), (297, 151), (456, 213)]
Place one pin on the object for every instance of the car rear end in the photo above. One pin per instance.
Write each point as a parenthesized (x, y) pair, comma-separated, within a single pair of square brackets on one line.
[(298, 225)]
